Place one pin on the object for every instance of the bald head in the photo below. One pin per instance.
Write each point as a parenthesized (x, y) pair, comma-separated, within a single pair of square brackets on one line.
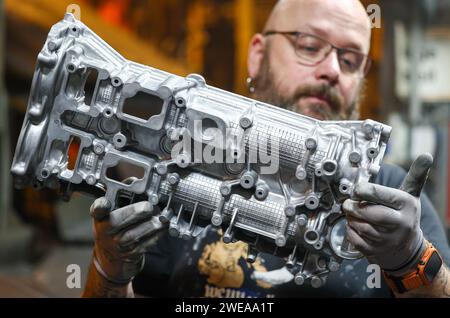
[(322, 16)]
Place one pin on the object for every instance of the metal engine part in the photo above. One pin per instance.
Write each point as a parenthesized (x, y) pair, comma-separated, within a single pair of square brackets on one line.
[(72, 140)]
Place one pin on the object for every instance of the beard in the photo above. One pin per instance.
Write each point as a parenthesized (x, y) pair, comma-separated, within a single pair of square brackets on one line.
[(332, 107)]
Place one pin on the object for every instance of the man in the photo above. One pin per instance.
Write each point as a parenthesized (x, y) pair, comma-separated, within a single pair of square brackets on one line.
[(311, 58)]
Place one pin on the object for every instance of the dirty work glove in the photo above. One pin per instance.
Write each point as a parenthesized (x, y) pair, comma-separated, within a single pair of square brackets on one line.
[(122, 237), (384, 223)]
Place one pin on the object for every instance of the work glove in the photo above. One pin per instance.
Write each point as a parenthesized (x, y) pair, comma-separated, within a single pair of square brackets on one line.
[(122, 237), (384, 223)]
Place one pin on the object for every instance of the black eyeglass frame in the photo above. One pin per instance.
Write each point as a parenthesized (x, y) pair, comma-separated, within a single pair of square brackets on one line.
[(367, 61)]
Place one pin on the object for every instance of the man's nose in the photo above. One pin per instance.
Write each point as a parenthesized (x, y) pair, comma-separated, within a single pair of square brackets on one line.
[(329, 69)]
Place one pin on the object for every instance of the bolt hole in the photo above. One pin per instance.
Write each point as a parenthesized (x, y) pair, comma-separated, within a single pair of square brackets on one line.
[(71, 67), (329, 167), (246, 181), (344, 188), (119, 140), (108, 112), (311, 236), (74, 29)]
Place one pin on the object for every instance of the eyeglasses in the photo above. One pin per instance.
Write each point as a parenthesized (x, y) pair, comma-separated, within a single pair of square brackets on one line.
[(312, 50)]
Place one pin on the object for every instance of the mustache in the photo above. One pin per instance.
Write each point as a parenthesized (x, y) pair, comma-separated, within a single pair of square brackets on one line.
[(324, 91)]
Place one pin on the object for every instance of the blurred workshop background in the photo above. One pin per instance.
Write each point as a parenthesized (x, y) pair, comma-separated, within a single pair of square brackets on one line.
[(408, 87)]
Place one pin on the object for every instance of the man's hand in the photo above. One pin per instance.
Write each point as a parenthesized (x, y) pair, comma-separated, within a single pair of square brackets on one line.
[(384, 223), (122, 237)]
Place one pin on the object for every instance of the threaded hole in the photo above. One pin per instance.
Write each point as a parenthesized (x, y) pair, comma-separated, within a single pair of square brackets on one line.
[(311, 236)]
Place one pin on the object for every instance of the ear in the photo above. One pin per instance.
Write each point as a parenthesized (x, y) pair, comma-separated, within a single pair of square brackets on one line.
[(255, 56)]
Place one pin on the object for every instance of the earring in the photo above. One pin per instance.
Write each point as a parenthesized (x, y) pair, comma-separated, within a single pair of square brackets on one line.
[(250, 87)]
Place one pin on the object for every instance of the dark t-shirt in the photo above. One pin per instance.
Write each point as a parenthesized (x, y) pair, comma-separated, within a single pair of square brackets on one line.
[(207, 267)]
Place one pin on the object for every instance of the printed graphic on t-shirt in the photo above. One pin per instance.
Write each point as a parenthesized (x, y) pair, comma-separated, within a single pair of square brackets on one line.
[(220, 263)]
